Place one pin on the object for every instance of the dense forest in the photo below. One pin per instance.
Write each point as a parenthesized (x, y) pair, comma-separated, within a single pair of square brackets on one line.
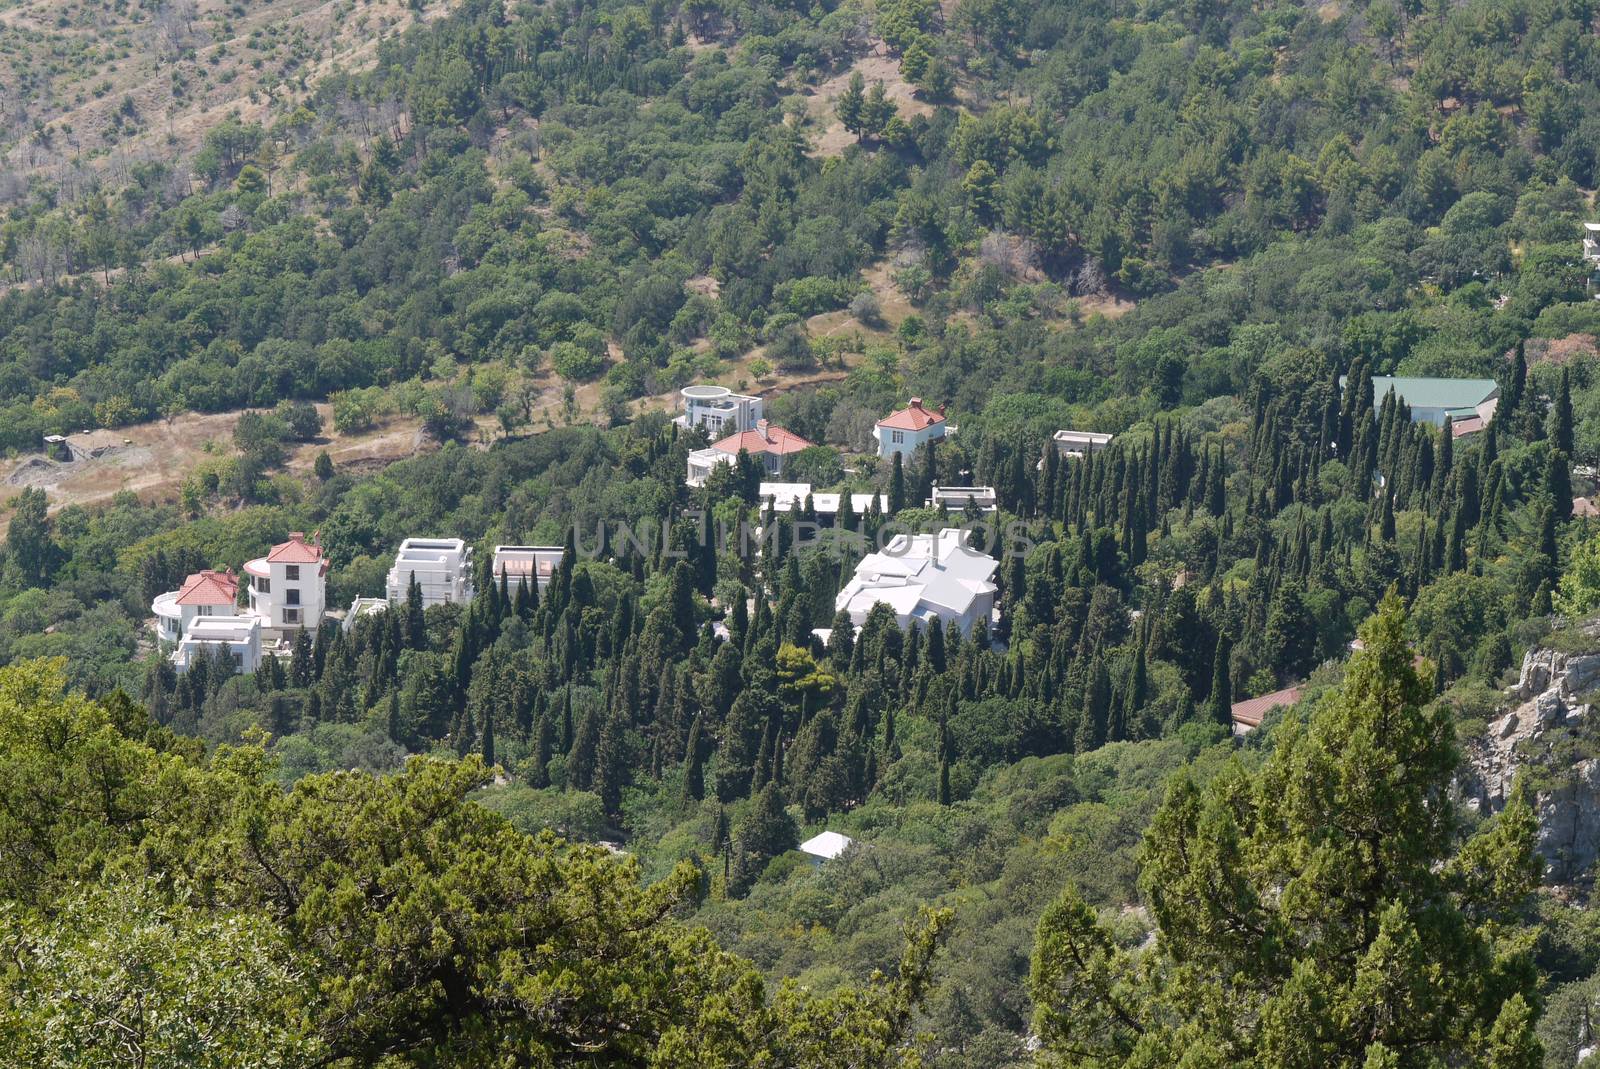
[(1204, 228)]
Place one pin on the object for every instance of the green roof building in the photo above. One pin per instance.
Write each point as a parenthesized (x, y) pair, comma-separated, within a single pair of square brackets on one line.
[(1431, 400)]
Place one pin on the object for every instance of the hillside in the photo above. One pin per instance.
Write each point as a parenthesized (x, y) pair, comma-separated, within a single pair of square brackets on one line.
[(1313, 274)]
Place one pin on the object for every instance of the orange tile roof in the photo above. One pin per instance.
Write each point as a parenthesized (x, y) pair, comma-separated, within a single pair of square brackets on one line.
[(209, 588), (1462, 427), (1250, 711), (775, 440), (295, 551), (914, 418)]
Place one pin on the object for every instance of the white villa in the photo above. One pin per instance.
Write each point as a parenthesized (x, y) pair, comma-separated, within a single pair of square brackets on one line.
[(766, 444), (957, 498), (1080, 444), (903, 431), (535, 563), (924, 578), (442, 567), (202, 616), (288, 587), (719, 410)]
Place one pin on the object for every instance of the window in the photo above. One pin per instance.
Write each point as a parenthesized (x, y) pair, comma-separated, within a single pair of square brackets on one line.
[(293, 597), (291, 572), (291, 616), (263, 586), (897, 437)]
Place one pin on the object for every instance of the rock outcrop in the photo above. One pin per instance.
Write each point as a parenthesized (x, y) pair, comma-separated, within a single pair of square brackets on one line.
[(1549, 710)]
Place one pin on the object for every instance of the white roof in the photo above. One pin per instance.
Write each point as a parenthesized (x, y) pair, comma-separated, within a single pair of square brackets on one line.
[(921, 576), (826, 845), (785, 496), (223, 628), (828, 504), (958, 497)]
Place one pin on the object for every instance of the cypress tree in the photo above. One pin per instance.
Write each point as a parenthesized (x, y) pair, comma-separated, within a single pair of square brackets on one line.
[(1558, 484), (694, 782), (1558, 422), (1219, 705), (897, 485)]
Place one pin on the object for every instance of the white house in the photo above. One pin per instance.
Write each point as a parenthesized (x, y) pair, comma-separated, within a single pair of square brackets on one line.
[(205, 593), (702, 462), (825, 846), (236, 638), (1080, 444), (903, 431), (957, 498), (924, 578), (791, 497), (533, 563), (442, 567), (1591, 242), (719, 410), (288, 587)]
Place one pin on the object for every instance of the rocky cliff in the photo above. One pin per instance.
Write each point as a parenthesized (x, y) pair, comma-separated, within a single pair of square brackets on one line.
[(1550, 734)]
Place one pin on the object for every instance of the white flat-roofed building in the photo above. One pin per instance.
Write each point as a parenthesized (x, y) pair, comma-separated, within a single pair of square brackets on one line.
[(958, 498), (442, 567), (718, 410), (1079, 444), (536, 564), (702, 462), (784, 497), (362, 607), (288, 587), (232, 638), (829, 504), (924, 578)]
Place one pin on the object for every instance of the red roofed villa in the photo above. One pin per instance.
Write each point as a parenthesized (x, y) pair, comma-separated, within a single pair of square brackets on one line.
[(1247, 714), (765, 443), (288, 587), (903, 431)]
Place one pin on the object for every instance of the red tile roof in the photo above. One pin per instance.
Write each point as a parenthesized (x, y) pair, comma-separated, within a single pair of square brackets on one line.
[(914, 418), (209, 588), (295, 551), (1583, 506), (1461, 427), (765, 439), (1249, 713)]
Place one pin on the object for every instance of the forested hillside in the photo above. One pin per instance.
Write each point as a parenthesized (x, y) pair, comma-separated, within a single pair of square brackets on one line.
[(1203, 228)]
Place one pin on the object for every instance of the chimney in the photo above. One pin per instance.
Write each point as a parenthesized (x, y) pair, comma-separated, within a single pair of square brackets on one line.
[(297, 536), (761, 429), (916, 402)]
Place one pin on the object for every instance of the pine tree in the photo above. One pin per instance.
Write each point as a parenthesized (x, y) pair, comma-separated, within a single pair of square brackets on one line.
[(852, 104), (1310, 898)]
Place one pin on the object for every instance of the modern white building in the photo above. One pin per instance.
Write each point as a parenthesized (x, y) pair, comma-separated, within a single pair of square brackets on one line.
[(1591, 243), (442, 567), (1080, 444), (702, 462), (235, 638), (825, 846), (903, 431), (288, 587), (958, 498), (924, 578), (532, 563), (791, 497), (718, 410)]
